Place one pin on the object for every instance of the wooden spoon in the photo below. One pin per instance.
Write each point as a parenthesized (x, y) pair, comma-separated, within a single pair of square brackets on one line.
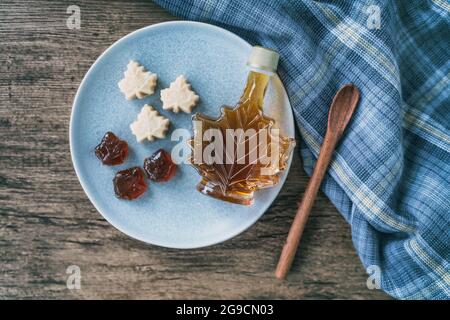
[(341, 110)]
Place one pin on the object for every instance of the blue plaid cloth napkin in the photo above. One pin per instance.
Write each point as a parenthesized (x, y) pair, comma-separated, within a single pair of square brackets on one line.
[(390, 177)]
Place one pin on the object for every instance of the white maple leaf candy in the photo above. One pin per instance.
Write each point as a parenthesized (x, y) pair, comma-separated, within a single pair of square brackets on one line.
[(137, 82), (149, 125), (179, 96)]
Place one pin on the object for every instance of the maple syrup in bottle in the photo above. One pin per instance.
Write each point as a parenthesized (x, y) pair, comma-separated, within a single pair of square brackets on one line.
[(243, 151)]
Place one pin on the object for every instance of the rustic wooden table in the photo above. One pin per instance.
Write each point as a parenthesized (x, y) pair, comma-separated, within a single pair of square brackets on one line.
[(47, 223)]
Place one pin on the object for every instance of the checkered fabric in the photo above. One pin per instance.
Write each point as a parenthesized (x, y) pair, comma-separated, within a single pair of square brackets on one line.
[(390, 177)]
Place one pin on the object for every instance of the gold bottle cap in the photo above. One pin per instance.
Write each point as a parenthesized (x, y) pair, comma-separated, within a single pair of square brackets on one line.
[(263, 59)]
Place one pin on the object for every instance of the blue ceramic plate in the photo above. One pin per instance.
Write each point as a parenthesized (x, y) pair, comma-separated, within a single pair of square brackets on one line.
[(171, 214)]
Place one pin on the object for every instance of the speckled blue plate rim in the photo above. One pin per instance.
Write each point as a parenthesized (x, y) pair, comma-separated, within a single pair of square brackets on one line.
[(84, 184)]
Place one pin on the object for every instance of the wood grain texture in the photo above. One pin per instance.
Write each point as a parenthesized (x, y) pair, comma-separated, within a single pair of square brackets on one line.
[(47, 223)]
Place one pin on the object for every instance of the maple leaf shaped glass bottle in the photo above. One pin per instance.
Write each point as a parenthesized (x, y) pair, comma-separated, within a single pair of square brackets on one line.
[(242, 150)]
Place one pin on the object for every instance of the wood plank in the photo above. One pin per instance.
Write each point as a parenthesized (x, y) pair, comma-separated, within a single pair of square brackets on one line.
[(47, 223)]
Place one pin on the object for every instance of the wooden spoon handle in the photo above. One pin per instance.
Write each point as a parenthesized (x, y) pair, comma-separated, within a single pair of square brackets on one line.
[(301, 217), (339, 115)]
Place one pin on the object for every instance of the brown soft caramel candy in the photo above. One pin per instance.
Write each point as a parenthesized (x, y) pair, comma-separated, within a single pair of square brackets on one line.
[(130, 184), (159, 166), (111, 151)]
